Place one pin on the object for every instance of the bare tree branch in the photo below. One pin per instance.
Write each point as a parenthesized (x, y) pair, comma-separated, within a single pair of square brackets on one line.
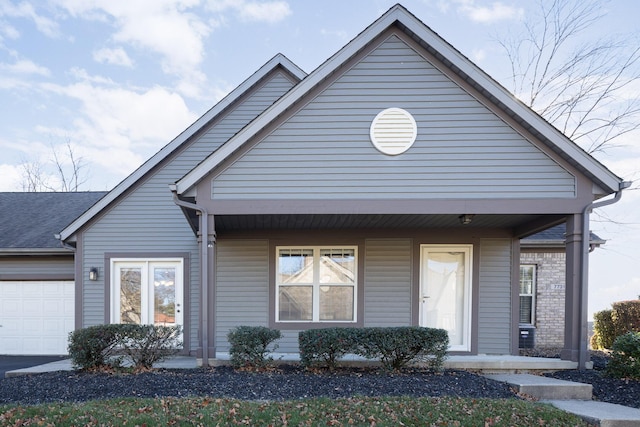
[(586, 90), (63, 173)]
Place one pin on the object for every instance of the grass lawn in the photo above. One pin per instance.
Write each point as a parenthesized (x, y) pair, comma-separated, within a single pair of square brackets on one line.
[(391, 411)]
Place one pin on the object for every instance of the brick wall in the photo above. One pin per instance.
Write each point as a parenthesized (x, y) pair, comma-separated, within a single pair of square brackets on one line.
[(550, 292)]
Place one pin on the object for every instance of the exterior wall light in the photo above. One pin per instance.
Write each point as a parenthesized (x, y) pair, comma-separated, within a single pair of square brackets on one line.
[(466, 219), (93, 273)]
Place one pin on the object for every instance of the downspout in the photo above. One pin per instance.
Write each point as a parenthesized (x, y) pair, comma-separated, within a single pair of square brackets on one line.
[(584, 265), (204, 268)]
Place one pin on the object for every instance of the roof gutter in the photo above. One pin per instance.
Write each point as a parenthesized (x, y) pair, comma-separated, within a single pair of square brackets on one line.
[(584, 264), (204, 268)]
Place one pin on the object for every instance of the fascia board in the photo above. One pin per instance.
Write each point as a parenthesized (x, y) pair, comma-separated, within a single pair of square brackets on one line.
[(313, 79), (278, 60), (35, 251)]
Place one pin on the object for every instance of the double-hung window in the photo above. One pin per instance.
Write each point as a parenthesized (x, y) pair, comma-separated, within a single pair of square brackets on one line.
[(527, 293), (316, 284)]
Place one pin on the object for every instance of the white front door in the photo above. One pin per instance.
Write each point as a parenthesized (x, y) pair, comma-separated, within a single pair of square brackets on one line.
[(445, 291), (147, 292)]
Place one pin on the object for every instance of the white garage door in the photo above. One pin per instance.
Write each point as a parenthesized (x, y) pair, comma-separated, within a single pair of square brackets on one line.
[(36, 317)]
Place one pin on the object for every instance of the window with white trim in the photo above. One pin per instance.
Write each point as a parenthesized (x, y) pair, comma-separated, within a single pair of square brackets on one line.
[(316, 284), (527, 293)]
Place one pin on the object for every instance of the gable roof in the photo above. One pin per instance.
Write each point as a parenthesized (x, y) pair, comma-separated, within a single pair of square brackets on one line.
[(30, 220), (458, 63), (277, 61)]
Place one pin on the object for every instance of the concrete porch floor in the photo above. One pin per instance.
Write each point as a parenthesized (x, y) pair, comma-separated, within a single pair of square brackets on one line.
[(509, 364), (479, 363)]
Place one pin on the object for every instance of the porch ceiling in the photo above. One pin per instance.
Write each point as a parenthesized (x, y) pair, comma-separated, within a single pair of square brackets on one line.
[(342, 221)]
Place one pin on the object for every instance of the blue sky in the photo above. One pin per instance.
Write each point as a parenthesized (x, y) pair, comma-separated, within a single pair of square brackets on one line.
[(117, 80)]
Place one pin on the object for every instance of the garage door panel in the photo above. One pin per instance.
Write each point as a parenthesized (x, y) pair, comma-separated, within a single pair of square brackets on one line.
[(36, 317)]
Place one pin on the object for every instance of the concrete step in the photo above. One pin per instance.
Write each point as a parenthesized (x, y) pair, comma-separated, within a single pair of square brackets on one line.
[(600, 413), (545, 388)]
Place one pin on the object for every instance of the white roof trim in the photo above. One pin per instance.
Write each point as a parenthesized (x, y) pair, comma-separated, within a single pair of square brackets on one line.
[(278, 60), (399, 13)]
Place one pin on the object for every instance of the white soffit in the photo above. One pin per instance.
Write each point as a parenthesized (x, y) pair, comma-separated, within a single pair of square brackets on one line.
[(393, 131)]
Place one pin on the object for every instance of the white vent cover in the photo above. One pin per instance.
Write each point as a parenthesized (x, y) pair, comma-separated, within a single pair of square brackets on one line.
[(393, 131)]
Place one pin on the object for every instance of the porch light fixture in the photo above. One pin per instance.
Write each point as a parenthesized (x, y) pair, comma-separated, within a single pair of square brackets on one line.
[(93, 273), (466, 219)]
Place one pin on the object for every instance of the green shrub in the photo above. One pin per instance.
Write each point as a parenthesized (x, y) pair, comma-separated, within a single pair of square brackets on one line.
[(609, 324), (604, 330), (145, 345), (93, 347), (109, 345), (326, 346), (249, 345), (626, 316), (625, 357), (399, 346)]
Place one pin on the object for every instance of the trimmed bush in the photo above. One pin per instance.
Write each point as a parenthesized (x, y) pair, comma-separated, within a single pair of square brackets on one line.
[(94, 347), (626, 316), (109, 345), (326, 346), (397, 347), (609, 324), (625, 357), (145, 345), (604, 330), (249, 345)]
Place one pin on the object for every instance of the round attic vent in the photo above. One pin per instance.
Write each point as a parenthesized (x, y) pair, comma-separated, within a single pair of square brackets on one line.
[(393, 131)]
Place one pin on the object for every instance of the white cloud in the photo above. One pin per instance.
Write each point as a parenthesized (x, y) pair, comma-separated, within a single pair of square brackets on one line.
[(118, 128), (24, 9), (478, 55), (496, 11), (166, 27), (341, 34), (11, 177), (253, 11), (9, 31), (115, 56), (271, 12), (23, 67)]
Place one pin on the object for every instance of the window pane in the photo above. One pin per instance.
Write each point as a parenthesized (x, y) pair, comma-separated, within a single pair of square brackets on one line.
[(337, 266), (164, 283), (336, 303), (526, 304), (526, 279), (295, 266), (295, 303), (130, 295)]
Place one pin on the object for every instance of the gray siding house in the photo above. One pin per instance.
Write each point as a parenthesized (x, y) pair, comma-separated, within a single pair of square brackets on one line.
[(390, 186)]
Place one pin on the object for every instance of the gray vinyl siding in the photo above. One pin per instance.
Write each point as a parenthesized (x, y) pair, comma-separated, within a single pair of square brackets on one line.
[(387, 290), (146, 221), (463, 150), (34, 266), (494, 304), (242, 286)]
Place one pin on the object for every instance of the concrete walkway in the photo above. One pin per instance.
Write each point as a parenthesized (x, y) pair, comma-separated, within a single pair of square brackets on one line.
[(572, 397), (177, 362)]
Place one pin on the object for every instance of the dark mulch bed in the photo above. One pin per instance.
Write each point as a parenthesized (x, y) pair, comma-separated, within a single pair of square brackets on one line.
[(286, 382)]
